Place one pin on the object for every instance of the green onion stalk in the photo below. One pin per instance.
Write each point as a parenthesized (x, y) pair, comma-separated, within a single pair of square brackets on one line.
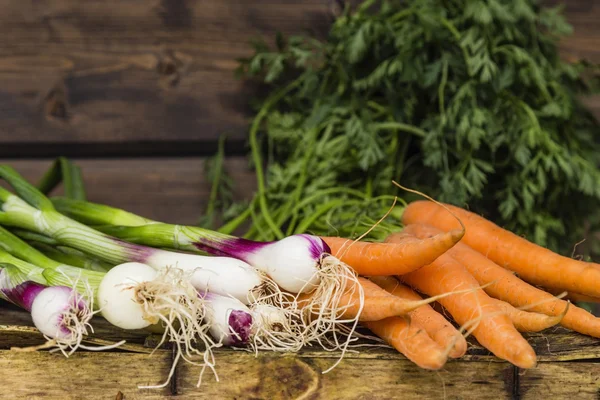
[(70, 256)]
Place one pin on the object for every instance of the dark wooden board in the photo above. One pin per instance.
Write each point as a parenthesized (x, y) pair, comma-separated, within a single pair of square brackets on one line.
[(172, 190), (114, 72), (561, 381), (128, 77), (585, 40)]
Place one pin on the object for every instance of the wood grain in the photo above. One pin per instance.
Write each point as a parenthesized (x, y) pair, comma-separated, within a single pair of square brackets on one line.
[(242, 376), (372, 373), (560, 344), (124, 77), (82, 376), (275, 377), (172, 190), (585, 41), (561, 381), (125, 71)]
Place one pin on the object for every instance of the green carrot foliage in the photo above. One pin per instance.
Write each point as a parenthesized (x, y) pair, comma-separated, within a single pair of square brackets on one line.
[(466, 100)]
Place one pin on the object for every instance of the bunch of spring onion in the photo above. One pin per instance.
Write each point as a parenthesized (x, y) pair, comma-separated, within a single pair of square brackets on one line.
[(63, 299), (241, 276), (131, 296), (298, 264)]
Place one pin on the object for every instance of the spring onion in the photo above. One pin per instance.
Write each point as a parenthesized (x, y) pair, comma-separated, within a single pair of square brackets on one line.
[(296, 263), (134, 296), (60, 313), (221, 275), (69, 256), (255, 327), (230, 320)]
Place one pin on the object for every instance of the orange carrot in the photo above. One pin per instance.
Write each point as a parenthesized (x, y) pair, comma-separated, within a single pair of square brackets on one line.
[(529, 321), (493, 329), (410, 340), (434, 323), (509, 288), (533, 263), (575, 297), (378, 304), (376, 259)]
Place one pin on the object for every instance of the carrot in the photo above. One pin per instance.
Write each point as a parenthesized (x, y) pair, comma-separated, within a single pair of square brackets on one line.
[(582, 298), (507, 287), (533, 263), (493, 330), (410, 340), (575, 297), (376, 259), (434, 323), (378, 304), (530, 321)]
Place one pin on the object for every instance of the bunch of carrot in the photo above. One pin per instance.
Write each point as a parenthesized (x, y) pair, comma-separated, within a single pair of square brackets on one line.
[(488, 279)]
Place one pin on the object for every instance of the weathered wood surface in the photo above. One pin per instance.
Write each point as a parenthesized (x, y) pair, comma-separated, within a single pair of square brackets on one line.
[(129, 77), (561, 381), (242, 376), (172, 190), (373, 373), (116, 71)]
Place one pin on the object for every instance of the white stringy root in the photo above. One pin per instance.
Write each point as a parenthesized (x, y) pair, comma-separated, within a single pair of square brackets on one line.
[(171, 300), (322, 315), (276, 325)]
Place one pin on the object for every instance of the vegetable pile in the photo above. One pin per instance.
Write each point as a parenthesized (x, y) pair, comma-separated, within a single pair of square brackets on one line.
[(460, 100), (468, 101), (445, 274)]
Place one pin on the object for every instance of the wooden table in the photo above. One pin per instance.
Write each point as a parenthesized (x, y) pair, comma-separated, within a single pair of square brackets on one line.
[(567, 368)]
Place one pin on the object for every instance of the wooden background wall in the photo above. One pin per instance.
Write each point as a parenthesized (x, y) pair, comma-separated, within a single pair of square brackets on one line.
[(138, 91)]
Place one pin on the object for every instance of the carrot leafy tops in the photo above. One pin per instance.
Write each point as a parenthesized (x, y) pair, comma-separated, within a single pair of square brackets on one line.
[(469, 102)]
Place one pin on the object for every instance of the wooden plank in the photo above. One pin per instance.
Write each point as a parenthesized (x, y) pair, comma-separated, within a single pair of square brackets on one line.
[(561, 381), (242, 376), (98, 375), (125, 71), (583, 15), (124, 76), (560, 344), (26, 339), (84, 375), (276, 377), (172, 190)]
